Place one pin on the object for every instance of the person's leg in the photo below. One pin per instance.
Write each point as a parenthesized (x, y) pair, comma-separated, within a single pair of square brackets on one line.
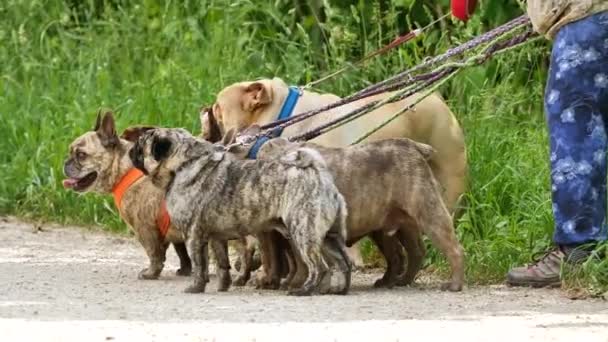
[(576, 102)]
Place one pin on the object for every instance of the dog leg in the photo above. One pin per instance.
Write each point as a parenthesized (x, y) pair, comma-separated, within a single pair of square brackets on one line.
[(354, 254), (440, 229), (291, 264), (185, 264), (269, 254), (199, 247), (450, 170), (220, 251), (246, 264), (156, 251), (310, 254), (414, 246), (300, 271), (392, 251), (240, 247), (292, 267), (335, 252)]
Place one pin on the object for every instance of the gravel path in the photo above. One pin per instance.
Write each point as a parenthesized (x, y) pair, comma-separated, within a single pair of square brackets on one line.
[(75, 284)]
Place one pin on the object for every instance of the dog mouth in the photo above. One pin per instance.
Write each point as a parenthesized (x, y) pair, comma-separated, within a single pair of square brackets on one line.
[(80, 184)]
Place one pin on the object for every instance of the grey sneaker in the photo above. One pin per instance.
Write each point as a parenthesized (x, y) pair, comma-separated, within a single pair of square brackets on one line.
[(545, 272)]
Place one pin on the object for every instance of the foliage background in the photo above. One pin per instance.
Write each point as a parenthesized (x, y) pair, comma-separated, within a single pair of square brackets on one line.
[(158, 61)]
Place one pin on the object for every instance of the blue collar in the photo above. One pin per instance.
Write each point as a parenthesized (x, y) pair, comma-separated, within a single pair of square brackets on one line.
[(286, 112)]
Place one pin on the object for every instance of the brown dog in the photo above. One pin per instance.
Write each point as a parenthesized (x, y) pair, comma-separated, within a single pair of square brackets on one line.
[(98, 161), (243, 104), (389, 189)]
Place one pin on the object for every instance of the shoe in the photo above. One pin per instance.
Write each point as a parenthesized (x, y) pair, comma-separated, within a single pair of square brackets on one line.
[(545, 272)]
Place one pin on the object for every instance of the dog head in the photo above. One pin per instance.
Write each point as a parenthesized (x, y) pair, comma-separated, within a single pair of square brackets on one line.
[(240, 105), (93, 157), (159, 152)]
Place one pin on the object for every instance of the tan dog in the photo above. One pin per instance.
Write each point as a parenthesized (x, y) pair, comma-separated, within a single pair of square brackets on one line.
[(241, 105), (98, 161)]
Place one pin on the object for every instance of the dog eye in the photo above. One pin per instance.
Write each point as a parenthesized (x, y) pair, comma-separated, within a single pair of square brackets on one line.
[(81, 155)]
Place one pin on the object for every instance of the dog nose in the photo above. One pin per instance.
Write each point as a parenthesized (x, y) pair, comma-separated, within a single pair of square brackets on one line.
[(66, 166)]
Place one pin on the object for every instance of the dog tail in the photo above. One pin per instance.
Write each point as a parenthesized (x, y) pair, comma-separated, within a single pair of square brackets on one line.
[(427, 151), (305, 157)]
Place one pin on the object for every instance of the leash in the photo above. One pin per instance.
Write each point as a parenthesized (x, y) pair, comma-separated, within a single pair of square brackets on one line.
[(395, 43), (286, 111), (406, 84), (493, 50), (404, 78)]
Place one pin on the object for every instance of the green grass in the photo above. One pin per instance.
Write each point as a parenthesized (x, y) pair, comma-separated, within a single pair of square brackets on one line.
[(157, 62)]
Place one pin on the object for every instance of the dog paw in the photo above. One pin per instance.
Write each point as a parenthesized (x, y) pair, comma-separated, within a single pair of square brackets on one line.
[(273, 285), (267, 284), (451, 286), (334, 283), (183, 272), (147, 274), (405, 280), (195, 288), (300, 292), (385, 283), (224, 280), (241, 280)]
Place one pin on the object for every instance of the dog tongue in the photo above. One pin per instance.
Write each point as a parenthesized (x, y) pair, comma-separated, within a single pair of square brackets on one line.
[(69, 183)]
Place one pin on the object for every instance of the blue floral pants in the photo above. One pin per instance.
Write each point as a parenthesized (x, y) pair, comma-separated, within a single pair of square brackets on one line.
[(576, 102)]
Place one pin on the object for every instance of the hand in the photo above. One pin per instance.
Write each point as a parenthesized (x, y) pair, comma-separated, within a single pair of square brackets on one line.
[(462, 9)]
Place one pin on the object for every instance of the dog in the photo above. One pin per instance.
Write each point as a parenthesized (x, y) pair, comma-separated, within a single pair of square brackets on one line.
[(389, 189), (98, 162), (212, 195), (243, 104), (246, 246), (278, 261)]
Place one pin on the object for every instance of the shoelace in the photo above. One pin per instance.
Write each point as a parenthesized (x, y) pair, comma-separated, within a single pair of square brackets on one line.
[(545, 255)]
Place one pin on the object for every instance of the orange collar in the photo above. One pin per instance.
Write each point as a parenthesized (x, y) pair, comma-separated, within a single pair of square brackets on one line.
[(163, 221)]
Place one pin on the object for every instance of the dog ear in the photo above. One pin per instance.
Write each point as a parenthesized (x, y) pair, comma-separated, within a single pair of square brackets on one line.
[(257, 94), (160, 148), (107, 131), (134, 132), (210, 126)]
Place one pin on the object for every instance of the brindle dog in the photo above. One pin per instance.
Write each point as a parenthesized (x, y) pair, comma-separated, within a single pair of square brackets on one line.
[(277, 260), (212, 195)]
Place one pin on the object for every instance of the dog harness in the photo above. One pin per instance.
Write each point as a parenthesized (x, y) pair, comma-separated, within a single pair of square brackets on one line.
[(163, 221), (286, 112)]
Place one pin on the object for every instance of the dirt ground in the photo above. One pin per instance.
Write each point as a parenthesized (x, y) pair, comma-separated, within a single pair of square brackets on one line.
[(75, 284)]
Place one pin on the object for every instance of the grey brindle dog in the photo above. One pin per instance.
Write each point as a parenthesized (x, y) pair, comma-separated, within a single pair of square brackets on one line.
[(212, 195)]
